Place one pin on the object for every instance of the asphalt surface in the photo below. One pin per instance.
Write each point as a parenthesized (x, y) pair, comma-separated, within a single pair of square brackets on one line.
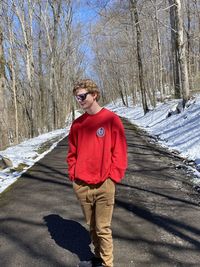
[(156, 218)]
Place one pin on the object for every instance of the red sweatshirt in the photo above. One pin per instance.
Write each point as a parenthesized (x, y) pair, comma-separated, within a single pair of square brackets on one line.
[(97, 148)]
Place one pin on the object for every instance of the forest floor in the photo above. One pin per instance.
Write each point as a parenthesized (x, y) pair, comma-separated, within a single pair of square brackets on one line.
[(155, 223)]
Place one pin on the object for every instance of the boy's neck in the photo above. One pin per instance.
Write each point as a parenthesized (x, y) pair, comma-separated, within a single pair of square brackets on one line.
[(95, 108)]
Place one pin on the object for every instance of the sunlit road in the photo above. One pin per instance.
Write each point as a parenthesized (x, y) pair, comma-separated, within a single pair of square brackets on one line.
[(156, 218)]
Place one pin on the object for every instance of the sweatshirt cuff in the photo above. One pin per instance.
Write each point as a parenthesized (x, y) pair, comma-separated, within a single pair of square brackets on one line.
[(117, 174)]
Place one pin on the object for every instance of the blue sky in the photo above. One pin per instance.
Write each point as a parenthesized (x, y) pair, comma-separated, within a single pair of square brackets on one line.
[(86, 16)]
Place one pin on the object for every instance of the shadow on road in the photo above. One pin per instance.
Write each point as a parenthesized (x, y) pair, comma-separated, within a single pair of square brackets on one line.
[(171, 225), (69, 235), (153, 192)]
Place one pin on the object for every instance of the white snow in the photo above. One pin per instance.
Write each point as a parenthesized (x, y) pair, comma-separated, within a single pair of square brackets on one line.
[(179, 132), (26, 153)]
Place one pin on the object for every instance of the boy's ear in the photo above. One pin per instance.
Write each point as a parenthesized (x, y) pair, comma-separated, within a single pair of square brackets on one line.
[(94, 95)]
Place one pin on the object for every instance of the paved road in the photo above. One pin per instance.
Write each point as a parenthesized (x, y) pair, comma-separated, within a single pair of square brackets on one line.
[(156, 219)]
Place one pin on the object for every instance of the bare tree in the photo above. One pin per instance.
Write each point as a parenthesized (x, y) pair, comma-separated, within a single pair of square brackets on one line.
[(3, 113), (42, 59), (13, 76), (25, 20), (175, 64), (160, 65), (139, 56), (181, 51)]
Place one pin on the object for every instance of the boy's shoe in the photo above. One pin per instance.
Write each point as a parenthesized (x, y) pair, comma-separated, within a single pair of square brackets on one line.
[(96, 262)]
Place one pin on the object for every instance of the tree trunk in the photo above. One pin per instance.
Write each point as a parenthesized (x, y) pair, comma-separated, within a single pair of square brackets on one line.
[(139, 56), (181, 52), (56, 8), (160, 69), (132, 67), (13, 79), (175, 64), (3, 113), (27, 35), (189, 45), (43, 102)]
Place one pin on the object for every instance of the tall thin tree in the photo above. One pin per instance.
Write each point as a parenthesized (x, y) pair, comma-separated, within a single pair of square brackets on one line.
[(139, 55), (181, 51)]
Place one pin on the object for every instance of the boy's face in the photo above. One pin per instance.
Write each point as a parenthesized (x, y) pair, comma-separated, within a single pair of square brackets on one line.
[(85, 98)]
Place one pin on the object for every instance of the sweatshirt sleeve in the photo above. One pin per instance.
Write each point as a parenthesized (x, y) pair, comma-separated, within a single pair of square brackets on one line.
[(72, 154), (118, 150)]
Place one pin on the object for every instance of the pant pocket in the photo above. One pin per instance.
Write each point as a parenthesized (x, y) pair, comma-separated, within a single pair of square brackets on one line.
[(76, 186), (110, 186), (81, 190), (110, 201)]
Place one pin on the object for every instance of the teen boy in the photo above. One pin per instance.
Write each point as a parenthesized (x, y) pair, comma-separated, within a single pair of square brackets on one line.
[(97, 160)]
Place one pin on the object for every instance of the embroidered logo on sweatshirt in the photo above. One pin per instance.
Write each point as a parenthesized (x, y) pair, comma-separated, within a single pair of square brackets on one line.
[(101, 132)]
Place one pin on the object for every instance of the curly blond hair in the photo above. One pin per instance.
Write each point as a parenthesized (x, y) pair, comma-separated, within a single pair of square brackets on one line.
[(89, 85)]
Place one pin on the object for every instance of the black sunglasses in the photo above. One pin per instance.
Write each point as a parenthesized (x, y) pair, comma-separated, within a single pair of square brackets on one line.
[(81, 97)]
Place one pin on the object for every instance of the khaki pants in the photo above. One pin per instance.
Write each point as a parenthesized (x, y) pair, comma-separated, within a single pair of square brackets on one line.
[(97, 203)]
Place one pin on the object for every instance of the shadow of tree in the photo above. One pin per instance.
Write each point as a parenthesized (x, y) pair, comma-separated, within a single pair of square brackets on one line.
[(69, 235), (154, 192), (171, 225)]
